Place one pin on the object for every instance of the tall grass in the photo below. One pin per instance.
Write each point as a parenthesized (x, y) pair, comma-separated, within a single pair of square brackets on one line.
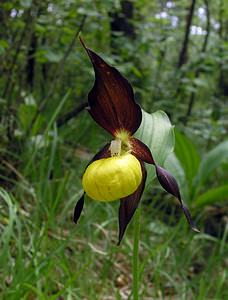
[(44, 255), (47, 260)]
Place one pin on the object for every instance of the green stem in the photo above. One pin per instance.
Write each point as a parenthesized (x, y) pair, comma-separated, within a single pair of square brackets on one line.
[(135, 262)]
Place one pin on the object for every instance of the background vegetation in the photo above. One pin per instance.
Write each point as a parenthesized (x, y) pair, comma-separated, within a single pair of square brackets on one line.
[(175, 53)]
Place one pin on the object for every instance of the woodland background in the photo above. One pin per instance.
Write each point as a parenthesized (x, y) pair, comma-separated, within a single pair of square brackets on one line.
[(175, 54)]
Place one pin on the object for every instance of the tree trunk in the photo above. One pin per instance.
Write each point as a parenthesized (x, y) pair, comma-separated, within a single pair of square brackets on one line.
[(31, 61), (197, 72), (121, 21), (184, 50)]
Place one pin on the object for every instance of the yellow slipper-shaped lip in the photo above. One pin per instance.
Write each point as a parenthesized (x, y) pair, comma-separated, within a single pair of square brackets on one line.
[(112, 178)]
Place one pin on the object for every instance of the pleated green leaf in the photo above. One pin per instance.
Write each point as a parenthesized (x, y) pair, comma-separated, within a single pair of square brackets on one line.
[(211, 161), (157, 133), (188, 156), (212, 196)]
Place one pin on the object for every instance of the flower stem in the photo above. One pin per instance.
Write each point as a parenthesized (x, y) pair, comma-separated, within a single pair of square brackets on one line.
[(135, 262)]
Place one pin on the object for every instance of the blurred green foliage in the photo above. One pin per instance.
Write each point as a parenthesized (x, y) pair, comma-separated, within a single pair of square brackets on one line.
[(176, 63)]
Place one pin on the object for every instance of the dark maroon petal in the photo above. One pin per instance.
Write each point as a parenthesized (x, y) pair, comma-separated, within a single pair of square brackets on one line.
[(103, 153), (129, 204), (141, 151), (111, 100), (168, 182), (78, 208)]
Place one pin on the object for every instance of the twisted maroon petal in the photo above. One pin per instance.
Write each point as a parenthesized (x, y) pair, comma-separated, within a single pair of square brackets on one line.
[(78, 208), (129, 204), (168, 182), (103, 153), (111, 100), (141, 151)]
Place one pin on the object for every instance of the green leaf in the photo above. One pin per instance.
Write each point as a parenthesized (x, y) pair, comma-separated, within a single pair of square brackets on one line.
[(157, 133), (53, 57), (212, 160), (188, 156), (200, 82), (26, 3), (26, 114), (212, 196), (3, 46)]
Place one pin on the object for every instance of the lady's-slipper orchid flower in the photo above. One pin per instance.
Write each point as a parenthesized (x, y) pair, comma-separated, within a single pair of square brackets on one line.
[(118, 170)]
